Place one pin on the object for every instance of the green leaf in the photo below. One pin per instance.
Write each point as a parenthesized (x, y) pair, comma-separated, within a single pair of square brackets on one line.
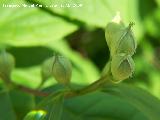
[(55, 108), (100, 106), (22, 26), (98, 12), (143, 101), (27, 76), (152, 23), (22, 102), (6, 109), (53, 104)]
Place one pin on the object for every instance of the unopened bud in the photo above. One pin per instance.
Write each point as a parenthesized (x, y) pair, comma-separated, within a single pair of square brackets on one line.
[(58, 66), (120, 39), (122, 67), (46, 70), (127, 43), (62, 70), (7, 64)]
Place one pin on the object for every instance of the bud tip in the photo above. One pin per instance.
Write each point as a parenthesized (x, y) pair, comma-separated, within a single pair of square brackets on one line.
[(117, 18)]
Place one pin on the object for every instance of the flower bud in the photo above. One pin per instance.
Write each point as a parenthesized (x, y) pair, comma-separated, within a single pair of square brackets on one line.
[(46, 70), (119, 38), (62, 70), (7, 64), (122, 67), (126, 43), (113, 32)]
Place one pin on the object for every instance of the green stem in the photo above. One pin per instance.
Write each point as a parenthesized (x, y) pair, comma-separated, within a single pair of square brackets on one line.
[(105, 79), (71, 93), (90, 88)]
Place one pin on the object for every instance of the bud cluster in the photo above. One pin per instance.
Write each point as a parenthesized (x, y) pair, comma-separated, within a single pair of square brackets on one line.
[(122, 46)]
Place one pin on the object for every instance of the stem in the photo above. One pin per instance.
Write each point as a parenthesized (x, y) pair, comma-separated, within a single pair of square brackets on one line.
[(32, 91), (105, 79), (90, 88), (72, 93)]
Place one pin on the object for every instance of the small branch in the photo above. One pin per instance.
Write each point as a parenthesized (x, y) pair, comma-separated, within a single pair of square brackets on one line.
[(71, 93), (32, 91), (11, 84), (90, 88), (104, 79)]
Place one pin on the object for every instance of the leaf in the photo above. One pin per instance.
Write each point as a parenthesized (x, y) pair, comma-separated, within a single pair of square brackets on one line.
[(96, 13), (147, 7), (27, 76), (24, 26), (53, 104), (6, 109), (22, 102), (55, 109), (152, 23), (143, 101), (100, 106)]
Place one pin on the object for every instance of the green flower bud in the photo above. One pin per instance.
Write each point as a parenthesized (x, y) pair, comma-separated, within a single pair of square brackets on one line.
[(126, 43), (62, 70), (113, 32), (36, 115), (122, 67), (119, 38), (46, 70), (7, 64)]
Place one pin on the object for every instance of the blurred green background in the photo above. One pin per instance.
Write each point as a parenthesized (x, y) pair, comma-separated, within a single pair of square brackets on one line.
[(77, 32)]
